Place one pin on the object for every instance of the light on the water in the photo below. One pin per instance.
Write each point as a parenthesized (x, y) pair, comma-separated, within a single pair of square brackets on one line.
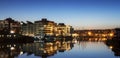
[(21, 52)]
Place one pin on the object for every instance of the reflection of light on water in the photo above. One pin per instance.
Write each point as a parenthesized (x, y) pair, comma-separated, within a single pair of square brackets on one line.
[(12, 48), (110, 47), (21, 52), (104, 39), (8, 45), (75, 41), (89, 39), (96, 39), (49, 43)]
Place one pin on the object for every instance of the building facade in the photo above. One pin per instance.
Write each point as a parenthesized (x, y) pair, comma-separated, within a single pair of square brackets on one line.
[(9, 28), (44, 27), (27, 28), (10, 25), (63, 30)]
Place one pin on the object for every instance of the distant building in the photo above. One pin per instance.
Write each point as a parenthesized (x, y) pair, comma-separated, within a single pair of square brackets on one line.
[(98, 33), (117, 32)]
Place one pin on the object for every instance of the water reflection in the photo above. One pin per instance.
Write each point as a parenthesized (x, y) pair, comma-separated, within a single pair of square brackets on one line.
[(47, 49), (59, 49), (9, 50), (114, 45)]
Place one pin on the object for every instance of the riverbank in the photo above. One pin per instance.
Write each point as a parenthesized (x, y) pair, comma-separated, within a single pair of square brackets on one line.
[(20, 39), (114, 45)]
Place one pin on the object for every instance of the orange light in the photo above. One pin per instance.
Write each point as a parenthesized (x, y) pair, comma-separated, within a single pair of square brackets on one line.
[(111, 47), (89, 33), (111, 34)]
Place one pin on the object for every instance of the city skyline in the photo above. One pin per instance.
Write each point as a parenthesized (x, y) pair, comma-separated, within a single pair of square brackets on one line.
[(81, 14)]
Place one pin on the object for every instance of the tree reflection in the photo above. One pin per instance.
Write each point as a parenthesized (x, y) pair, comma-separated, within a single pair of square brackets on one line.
[(114, 45)]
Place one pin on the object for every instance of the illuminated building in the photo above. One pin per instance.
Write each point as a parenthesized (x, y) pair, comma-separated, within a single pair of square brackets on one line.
[(98, 33), (41, 27), (13, 25), (3, 24), (64, 30), (28, 28), (44, 27), (9, 26)]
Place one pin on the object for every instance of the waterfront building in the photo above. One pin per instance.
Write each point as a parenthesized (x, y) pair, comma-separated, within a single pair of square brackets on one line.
[(3, 24), (44, 27), (10, 25), (63, 30), (98, 33), (41, 27), (27, 28)]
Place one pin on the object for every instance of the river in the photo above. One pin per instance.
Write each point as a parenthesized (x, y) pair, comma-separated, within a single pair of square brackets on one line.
[(58, 49)]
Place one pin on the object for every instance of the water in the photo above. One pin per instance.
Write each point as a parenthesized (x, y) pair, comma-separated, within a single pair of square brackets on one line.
[(65, 49)]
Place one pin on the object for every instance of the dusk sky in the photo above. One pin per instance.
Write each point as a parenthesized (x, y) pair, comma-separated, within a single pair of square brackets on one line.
[(83, 14)]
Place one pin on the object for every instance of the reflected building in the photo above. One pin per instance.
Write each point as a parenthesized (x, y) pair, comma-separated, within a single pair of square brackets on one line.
[(9, 50), (65, 46), (47, 49)]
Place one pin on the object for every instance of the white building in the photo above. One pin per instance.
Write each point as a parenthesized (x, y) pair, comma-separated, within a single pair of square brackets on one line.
[(44, 27), (63, 30)]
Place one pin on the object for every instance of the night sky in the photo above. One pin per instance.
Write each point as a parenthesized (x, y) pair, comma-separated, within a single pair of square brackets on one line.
[(83, 14)]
